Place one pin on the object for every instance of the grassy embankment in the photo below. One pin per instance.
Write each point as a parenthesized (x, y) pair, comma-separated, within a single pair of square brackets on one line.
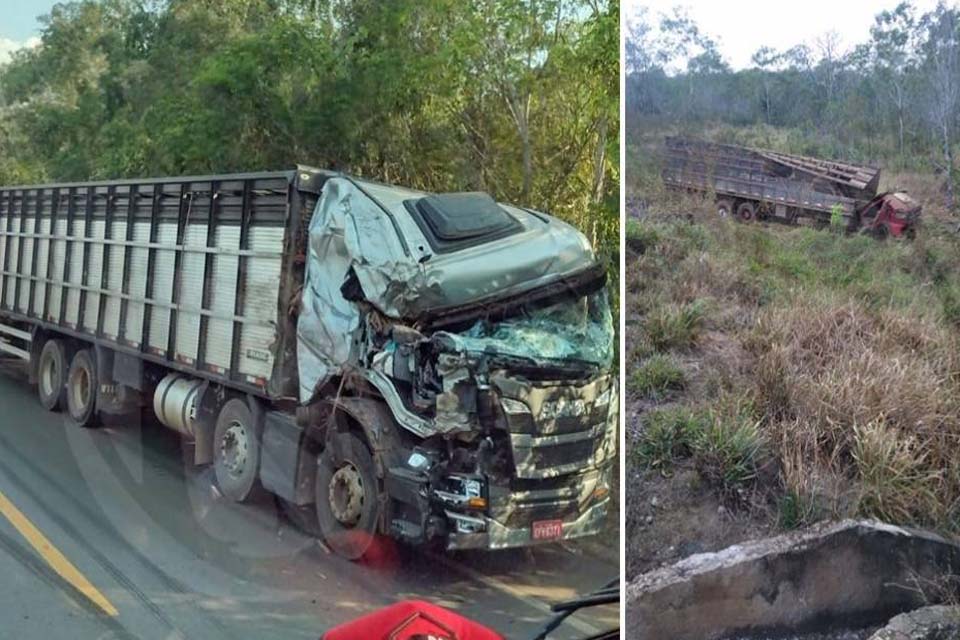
[(803, 373)]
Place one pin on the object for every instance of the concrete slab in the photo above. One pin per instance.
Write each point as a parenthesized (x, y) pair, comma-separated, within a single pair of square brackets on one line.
[(849, 572)]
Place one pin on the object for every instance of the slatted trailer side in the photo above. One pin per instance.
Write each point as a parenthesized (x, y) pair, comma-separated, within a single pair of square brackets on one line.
[(195, 273), (744, 174)]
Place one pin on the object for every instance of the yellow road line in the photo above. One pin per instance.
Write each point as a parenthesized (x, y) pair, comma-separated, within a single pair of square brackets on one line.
[(57, 561)]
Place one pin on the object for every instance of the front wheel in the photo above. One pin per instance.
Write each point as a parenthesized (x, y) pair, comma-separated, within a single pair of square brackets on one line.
[(348, 505)]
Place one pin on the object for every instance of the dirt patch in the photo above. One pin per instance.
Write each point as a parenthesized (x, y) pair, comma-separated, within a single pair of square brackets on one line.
[(672, 517)]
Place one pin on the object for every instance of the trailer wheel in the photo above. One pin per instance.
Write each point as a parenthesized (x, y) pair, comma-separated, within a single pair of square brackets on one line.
[(52, 376), (236, 450), (82, 384), (747, 212), (724, 207), (348, 506)]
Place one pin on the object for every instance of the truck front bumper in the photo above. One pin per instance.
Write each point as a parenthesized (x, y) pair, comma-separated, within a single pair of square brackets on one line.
[(494, 535)]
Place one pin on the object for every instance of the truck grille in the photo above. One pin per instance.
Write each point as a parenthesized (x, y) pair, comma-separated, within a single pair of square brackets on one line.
[(565, 500), (557, 429), (548, 456)]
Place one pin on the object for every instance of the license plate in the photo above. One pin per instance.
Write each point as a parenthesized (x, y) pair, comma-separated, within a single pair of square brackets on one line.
[(547, 529)]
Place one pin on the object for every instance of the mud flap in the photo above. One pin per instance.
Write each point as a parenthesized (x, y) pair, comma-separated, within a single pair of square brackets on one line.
[(115, 397), (287, 468), (205, 423)]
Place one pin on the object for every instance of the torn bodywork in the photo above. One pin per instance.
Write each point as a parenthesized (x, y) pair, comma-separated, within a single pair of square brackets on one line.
[(486, 331)]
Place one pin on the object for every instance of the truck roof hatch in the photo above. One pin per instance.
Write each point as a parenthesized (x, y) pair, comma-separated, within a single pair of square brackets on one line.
[(453, 221)]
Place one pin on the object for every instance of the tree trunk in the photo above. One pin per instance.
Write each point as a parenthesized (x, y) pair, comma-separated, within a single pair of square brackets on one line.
[(948, 160), (900, 116), (600, 161)]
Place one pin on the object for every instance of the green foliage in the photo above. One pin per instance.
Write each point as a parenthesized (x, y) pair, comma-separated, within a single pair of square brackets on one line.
[(675, 326), (728, 450), (517, 98), (640, 236), (724, 442), (667, 435), (836, 218), (796, 510), (657, 375)]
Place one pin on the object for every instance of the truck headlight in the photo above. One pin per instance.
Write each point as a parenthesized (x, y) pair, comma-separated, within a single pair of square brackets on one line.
[(465, 492), (605, 397)]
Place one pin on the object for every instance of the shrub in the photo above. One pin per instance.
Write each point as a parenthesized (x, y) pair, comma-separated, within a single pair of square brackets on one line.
[(673, 326), (656, 376), (640, 236), (727, 451), (667, 436), (795, 510), (897, 483)]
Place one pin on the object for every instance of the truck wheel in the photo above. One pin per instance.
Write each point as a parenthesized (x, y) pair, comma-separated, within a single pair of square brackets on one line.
[(82, 384), (724, 207), (52, 376), (236, 450), (746, 212), (348, 506), (881, 232)]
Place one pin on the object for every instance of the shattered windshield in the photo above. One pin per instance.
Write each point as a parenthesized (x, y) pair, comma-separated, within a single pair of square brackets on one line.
[(570, 330)]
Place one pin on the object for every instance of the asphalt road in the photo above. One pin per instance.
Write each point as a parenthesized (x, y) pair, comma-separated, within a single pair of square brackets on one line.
[(176, 560)]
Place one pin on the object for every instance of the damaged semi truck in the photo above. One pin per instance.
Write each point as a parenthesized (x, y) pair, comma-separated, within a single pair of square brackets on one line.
[(390, 362), (761, 184)]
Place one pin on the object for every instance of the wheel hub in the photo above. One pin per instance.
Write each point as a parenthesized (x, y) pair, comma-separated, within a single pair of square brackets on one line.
[(80, 389), (347, 495), (234, 447), (50, 373)]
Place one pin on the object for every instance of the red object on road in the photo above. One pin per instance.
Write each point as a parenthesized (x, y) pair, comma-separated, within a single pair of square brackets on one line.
[(412, 620)]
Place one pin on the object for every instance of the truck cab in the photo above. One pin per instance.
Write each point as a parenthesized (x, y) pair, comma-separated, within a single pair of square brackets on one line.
[(459, 353), (893, 213)]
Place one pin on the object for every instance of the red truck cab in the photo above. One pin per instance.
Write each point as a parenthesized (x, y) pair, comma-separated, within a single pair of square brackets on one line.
[(891, 214)]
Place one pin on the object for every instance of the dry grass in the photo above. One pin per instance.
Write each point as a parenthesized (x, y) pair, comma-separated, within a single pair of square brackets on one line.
[(843, 353), (871, 396)]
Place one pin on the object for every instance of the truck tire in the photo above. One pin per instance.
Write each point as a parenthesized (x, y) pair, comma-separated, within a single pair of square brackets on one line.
[(82, 385), (52, 375), (724, 207), (347, 491), (746, 212), (236, 450)]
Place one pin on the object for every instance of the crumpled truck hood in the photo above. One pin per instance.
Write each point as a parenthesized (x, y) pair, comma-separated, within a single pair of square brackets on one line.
[(365, 228)]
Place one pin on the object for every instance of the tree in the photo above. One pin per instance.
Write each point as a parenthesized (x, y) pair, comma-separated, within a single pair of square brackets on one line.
[(942, 75), (893, 49)]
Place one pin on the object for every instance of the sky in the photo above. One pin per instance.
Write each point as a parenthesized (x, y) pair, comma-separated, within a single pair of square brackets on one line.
[(740, 27), (18, 23)]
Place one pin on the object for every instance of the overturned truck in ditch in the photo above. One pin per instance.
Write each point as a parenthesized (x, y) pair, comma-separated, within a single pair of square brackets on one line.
[(756, 184)]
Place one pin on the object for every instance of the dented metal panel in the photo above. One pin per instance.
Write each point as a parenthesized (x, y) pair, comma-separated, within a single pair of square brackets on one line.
[(365, 229)]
